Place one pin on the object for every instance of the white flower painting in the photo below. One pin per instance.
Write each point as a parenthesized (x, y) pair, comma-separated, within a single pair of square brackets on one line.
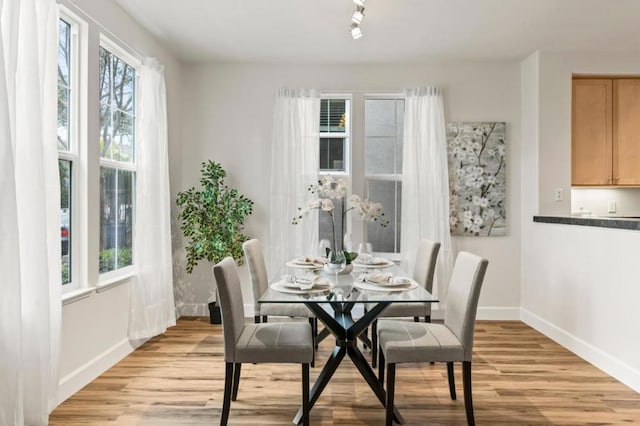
[(477, 179)]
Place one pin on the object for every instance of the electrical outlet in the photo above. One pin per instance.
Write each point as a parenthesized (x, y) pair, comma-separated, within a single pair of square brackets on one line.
[(558, 194), (611, 206)]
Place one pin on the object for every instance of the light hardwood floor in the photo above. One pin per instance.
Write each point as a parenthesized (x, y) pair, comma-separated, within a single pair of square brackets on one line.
[(519, 378)]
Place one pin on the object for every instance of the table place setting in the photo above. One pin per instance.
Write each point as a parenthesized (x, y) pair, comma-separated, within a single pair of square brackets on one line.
[(302, 285), (307, 262), (384, 281)]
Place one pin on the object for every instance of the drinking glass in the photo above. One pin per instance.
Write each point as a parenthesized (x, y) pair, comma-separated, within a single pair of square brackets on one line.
[(336, 262), (365, 252)]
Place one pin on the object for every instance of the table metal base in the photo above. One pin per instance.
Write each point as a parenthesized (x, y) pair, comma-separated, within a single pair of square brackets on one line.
[(347, 332)]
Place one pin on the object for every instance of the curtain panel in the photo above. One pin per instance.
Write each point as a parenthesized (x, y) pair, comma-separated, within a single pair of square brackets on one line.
[(30, 306), (425, 182), (295, 157), (152, 307)]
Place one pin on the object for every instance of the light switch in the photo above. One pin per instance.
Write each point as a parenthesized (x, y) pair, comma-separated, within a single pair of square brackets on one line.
[(611, 208)]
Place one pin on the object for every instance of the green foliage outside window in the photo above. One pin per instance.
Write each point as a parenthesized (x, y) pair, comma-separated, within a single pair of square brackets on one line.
[(213, 217)]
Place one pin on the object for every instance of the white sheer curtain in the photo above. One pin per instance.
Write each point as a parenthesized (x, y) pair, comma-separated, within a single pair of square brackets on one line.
[(425, 181), (295, 158), (151, 305), (30, 305)]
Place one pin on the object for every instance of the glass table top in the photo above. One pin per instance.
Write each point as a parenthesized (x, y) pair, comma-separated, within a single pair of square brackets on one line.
[(357, 286)]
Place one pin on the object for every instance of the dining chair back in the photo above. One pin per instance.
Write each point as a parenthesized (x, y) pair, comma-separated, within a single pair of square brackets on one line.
[(254, 256), (278, 342), (423, 272), (402, 342)]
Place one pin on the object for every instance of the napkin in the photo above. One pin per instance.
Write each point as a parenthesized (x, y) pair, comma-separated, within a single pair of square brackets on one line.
[(304, 283), (314, 260), (379, 277)]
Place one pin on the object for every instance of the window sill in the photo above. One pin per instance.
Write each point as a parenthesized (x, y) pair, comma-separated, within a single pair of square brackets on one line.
[(76, 295), (114, 282)]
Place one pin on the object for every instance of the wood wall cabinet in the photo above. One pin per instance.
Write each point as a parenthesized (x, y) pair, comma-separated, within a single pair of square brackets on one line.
[(606, 132)]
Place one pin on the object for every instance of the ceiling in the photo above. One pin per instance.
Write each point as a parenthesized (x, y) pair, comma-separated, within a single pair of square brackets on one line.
[(317, 31)]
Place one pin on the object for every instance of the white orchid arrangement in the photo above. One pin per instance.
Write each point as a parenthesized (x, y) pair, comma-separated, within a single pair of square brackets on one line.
[(327, 190)]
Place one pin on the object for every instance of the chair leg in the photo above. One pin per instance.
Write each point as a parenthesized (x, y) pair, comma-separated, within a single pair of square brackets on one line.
[(427, 318), (305, 394), (256, 319), (264, 318), (381, 363), (391, 383), (236, 380), (226, 400), (452, 381), (374, 343), (468, 401), (416, 319), (313, 339)]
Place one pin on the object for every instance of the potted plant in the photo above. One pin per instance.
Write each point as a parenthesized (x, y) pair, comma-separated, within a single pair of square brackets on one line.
[(212, 218)]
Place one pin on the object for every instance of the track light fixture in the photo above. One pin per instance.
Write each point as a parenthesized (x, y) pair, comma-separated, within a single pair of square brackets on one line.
[(356, 32), (356, 19)]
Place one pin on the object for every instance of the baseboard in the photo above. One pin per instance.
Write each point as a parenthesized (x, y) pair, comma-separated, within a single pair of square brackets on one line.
[(83, 375), (597, 357)]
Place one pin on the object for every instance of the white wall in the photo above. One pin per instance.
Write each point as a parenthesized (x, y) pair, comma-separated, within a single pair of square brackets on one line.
[(579, 284), (229, 119), (94, 329)]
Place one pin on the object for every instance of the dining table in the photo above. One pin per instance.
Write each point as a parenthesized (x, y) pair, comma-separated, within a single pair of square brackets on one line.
[(333, 301)]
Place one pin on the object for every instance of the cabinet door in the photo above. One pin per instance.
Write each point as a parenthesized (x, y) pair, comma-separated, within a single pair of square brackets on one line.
[(591, 137), (626, 132)]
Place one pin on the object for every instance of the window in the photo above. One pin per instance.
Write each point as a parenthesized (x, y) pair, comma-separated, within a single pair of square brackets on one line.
[(384, 122), (67, 139), (335, 133), (378, 172), (117, 159)]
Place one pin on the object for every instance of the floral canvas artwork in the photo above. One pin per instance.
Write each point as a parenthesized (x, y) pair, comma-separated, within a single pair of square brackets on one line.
[(477, 178)]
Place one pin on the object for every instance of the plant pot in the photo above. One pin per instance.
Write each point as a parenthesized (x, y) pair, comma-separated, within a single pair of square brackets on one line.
[(214, 314)]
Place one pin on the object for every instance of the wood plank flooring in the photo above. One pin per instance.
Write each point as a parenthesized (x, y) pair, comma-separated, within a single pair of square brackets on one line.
[(519, 378)]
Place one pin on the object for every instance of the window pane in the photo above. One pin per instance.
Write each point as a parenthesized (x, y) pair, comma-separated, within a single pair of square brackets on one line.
[(64, 76), (333, 115), (117, 106), (332, 154), (116, 222), (380, 155), (386, 239), (384, 123), (64, 168)]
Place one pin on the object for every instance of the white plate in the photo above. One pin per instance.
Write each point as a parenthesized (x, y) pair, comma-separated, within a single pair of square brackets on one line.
[(381, 288), (283, 287), (399, 282), (295, 264), (377, 262)]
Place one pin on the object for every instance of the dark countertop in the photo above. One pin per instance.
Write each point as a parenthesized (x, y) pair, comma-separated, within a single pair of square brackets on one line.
[(599, 222)]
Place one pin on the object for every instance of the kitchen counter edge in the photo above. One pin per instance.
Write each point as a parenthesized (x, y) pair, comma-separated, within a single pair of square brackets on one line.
[(632, 224)]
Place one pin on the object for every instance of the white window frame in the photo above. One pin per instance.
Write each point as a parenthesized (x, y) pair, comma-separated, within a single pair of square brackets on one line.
[(382, 177), (77, 215), (107, 279), (347, 135)]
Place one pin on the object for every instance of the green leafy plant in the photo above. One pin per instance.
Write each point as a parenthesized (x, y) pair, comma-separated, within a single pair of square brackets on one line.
[(213, 217)]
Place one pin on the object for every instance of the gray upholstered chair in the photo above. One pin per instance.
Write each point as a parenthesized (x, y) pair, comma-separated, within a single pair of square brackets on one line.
[(281, 342), (260, 282), (402, 342), (425, 266)]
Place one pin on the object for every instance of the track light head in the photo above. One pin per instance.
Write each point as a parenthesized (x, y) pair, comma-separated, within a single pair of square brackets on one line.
[(358, 15), (356, 32)]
